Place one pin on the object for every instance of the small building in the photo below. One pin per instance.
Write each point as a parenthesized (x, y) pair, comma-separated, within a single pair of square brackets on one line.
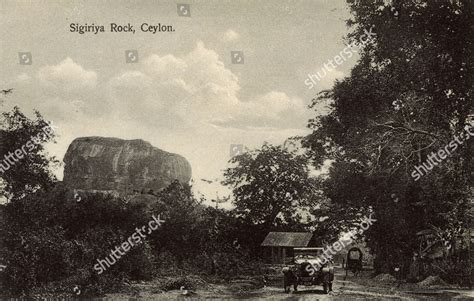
[(279, 246)]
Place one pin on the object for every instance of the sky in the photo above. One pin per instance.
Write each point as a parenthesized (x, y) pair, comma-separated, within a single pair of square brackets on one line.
[(183, 94)]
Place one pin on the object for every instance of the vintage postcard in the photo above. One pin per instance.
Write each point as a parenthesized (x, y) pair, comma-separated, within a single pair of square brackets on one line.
[(236, 149)]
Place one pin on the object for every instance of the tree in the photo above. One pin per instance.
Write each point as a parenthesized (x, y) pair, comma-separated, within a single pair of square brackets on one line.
[(25, 167), (180, 234), (409, 95), (271, 185)]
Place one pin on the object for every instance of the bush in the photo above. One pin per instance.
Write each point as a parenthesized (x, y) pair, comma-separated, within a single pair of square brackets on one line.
[(451, 271), (51, 243)]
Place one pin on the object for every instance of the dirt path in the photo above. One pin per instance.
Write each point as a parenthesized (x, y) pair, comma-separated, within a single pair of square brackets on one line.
[(351, 288)]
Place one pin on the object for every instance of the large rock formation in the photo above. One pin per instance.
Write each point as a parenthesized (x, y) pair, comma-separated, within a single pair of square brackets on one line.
[(111, 164)]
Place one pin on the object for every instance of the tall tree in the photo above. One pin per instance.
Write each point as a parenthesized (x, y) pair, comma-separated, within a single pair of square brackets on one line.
[(409, 95), (271, 185)]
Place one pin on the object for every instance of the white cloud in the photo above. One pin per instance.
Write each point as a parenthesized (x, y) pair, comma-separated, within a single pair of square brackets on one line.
[(231, 36), (198, 89), (273, 110), (65, 91), (195, 91), (67, 75)]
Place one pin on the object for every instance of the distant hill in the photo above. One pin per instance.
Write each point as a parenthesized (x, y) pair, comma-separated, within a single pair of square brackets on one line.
[(124, 166)]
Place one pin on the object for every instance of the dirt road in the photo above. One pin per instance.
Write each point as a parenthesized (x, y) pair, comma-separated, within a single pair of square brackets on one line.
[(353, 288)]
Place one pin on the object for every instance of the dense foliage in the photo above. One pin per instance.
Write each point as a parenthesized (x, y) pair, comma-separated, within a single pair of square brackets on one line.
[(51, 240), (272, 185), (409, 95), (33, 171)]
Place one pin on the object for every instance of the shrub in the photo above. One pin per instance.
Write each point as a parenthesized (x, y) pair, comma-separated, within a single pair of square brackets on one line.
[(51, 242), (451, 271)]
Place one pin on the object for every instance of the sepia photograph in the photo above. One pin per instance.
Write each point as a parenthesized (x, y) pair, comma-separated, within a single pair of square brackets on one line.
[(236, 149)]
